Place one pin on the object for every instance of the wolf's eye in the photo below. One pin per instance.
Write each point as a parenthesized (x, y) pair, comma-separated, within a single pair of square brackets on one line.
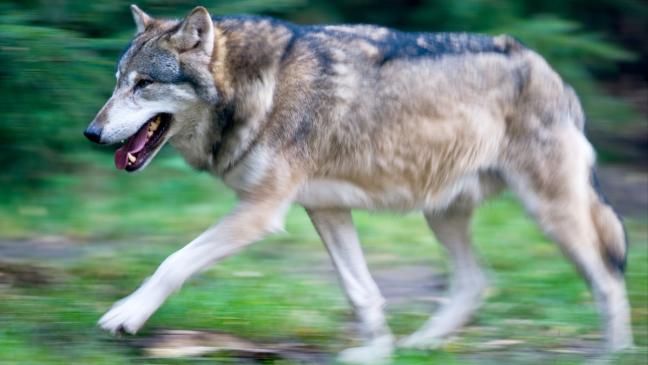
[(142, 84)]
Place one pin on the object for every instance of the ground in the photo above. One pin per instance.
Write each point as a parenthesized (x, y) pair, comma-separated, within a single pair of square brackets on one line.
[(70, 249)]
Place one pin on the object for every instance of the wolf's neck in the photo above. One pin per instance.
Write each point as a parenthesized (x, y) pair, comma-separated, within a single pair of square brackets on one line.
[(248, 53)]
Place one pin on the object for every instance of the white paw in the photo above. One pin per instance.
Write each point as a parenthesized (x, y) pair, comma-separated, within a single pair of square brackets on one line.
[(421, 341), (129, 314), (376, 352), (620, 343)]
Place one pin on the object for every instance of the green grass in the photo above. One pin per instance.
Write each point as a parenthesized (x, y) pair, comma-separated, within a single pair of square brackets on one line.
[(280, 289)]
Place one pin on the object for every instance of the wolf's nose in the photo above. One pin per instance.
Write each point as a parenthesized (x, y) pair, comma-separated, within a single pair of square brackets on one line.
[(93, 133)]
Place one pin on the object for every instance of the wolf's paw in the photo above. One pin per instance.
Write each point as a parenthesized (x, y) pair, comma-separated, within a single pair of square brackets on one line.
[(376, 352), (621, 343), (421, 341), (128, 315)]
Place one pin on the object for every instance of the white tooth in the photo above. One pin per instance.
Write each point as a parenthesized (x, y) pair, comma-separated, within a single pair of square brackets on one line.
[(149, 134), (153, 127), (131, 158)]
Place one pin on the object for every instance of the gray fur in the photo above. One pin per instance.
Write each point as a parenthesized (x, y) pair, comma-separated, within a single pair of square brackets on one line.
[(336, 118)]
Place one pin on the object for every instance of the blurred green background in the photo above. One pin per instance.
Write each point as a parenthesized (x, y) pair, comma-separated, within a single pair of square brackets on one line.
[(75, 234)]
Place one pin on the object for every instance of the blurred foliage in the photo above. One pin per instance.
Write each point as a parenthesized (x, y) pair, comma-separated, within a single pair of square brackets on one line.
[(57, 60), (57, 57), (283, 290)]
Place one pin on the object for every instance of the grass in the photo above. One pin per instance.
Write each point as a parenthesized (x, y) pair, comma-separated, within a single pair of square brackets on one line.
[(280, 289)]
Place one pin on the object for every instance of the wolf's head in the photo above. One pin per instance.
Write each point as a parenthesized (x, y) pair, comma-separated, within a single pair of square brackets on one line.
[(163, 83)]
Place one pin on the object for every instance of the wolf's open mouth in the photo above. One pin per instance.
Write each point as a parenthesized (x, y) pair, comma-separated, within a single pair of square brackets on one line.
[(143, 144)]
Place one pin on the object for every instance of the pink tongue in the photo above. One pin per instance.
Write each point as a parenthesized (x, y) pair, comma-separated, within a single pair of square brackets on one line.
[(133, 145)]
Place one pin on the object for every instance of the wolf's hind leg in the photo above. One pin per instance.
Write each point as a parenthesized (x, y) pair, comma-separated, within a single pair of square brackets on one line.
[(553, 178), (339, 235), (468, 283)]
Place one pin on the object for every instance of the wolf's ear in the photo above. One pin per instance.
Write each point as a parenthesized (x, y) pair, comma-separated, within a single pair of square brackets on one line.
[(196, 31), (142, 20)]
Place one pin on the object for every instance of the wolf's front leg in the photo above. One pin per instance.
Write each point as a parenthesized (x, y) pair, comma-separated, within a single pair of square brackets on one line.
[(249, 222), (336, 229)]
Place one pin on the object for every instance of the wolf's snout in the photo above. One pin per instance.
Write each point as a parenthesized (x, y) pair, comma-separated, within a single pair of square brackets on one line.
[(93, 132)]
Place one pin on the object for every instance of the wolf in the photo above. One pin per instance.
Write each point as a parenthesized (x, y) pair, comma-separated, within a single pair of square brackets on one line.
[(342, 117)]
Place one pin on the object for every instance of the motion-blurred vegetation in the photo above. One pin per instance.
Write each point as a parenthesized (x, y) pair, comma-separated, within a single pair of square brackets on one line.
[(84, 234), (57, 58), (100, 235)]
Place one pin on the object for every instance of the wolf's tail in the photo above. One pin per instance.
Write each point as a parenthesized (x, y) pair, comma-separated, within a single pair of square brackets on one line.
[(612, 240), (613, 243)]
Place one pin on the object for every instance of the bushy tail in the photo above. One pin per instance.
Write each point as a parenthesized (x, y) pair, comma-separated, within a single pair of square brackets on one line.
[(611, 234), (613, 243)]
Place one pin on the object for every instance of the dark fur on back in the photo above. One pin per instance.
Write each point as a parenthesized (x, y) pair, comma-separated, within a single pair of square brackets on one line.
[(392, 44)]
